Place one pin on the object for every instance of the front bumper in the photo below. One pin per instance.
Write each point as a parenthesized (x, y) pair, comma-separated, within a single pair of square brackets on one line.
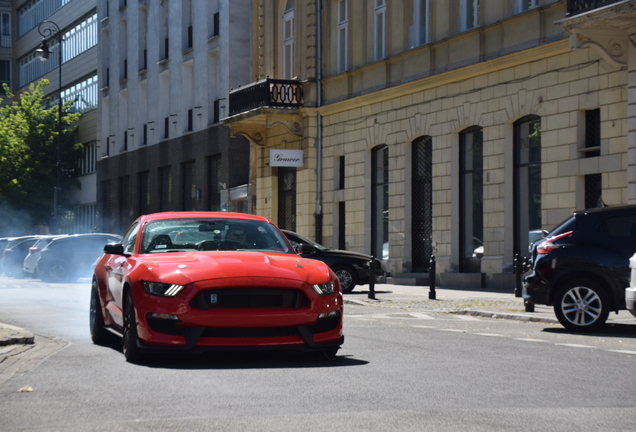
[(196, 326)]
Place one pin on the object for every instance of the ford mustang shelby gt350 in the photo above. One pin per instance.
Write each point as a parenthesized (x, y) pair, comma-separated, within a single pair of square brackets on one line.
[(193, 281)]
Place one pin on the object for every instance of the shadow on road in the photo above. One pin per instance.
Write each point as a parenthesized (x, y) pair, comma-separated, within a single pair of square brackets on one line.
[(608, 331)]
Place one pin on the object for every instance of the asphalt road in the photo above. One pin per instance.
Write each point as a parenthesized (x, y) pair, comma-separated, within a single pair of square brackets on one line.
[(397, 371)]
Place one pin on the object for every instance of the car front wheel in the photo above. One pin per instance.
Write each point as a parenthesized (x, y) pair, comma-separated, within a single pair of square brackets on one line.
[(582, 306), (57, 272), (99, 334), (346, 276), (131, 350)]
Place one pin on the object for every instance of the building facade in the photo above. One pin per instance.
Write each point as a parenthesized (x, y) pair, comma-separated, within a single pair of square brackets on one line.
[(456, 129), (167, 68), (21, 23)]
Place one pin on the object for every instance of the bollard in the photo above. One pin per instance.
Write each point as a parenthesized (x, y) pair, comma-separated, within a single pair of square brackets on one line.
[(372, 279), (431, 278), (516, 265)]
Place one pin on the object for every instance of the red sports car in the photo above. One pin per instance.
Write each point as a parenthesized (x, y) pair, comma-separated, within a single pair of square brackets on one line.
[(193, 281)]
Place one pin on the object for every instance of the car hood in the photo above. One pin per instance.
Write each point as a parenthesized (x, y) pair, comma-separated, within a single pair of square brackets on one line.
[(344, 253), (187, 267)]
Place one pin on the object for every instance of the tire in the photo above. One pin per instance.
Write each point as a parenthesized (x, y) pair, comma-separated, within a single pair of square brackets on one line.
[(582, 306), (348, 278), (57, 272), (129, 343), (99, 334)]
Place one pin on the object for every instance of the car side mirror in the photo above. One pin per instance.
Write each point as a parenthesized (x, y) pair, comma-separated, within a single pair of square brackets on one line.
[(114, 249), (305, 249)]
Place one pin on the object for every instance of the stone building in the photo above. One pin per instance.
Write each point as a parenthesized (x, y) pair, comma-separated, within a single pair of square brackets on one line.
[(24, 25), (166, 69), (459, 129)]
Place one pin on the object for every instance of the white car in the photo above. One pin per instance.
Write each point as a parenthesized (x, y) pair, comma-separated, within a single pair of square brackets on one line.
[(31, 260), (630, 293)]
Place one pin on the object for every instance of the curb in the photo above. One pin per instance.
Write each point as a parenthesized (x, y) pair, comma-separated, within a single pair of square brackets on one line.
[(508, 316), (10, 335)]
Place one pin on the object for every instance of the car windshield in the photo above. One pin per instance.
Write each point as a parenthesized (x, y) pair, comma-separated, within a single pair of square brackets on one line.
[(178, 235), (296, 239)]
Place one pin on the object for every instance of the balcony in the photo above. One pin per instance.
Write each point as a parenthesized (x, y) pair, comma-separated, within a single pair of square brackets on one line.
[(576, 7), (265, 104), (268, 93)]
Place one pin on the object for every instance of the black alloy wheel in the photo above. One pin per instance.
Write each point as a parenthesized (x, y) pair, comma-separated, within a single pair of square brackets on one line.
[(99, 334), (348, 278), (57, 272), (582, 305), (129, 344)]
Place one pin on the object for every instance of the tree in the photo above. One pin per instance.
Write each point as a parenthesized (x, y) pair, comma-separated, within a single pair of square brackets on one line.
[(28, 155)]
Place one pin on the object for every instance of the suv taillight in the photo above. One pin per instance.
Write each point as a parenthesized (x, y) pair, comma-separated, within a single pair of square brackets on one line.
[(548, 245)]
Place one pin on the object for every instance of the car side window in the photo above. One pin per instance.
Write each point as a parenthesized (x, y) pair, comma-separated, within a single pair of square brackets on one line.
[(130, 239), (620, 226)]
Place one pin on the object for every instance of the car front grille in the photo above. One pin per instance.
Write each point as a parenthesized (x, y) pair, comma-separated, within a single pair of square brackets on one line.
[(250, 298)]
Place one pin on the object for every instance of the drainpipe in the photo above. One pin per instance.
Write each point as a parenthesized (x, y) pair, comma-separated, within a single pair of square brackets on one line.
[(318, 215)]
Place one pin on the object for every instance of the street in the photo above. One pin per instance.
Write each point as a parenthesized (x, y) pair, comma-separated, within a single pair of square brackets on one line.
[(398, 370)]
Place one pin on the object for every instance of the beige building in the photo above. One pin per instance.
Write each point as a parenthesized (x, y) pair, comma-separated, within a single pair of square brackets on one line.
[(458, 129)]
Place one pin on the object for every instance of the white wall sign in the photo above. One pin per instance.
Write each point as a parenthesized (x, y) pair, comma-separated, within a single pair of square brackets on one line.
[(286, 158)]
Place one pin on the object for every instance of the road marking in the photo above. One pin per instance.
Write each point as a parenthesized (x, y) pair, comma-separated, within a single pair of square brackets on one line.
[(530, 340), (490, 334), (575, 345), (421, 316), (623, 352), (423, 326), (453, 330)]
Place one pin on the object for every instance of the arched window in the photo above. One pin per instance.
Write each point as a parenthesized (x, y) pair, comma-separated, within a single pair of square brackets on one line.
[(288, 40)]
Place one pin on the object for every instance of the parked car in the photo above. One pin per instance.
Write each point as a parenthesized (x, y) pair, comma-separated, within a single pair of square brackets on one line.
[(352, 268), (14, 254), (582, 267), (29, 265), (66, 259), (194, 281), (630, 292)]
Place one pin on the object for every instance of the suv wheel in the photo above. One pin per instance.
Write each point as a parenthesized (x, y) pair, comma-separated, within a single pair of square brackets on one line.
[(581, 306), (347, 277)]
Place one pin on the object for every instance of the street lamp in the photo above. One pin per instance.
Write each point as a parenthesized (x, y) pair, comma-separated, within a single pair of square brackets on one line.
[(49, 31)]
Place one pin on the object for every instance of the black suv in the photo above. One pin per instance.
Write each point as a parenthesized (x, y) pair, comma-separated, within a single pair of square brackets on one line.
[(582, 266)]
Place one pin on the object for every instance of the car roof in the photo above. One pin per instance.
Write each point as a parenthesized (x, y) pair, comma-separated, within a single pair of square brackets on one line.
[(194, 215), (610, 209)]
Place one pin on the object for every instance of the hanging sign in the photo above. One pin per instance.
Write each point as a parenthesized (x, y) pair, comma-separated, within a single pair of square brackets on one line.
[(286, 158)]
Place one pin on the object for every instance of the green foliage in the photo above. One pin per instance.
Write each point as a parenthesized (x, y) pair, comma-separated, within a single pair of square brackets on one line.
[(29, 153)]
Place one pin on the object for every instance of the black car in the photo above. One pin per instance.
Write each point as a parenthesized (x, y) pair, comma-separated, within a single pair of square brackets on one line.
[(67, 259), (352, 268), (582, 266)]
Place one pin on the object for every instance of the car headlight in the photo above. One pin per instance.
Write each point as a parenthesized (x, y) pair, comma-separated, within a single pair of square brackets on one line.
[(162, 289), (324, 289)]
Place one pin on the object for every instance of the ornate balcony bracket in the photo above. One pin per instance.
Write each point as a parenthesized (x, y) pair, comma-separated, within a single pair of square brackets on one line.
[(256, 125), (608, 29)]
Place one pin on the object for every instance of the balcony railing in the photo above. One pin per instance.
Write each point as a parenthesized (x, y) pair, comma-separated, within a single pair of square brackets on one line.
[(576, 7), (270, 93)]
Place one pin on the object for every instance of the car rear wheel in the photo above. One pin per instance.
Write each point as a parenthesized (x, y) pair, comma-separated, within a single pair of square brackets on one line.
[(347, 277), (131, 350), (99, 334), (582, 306)]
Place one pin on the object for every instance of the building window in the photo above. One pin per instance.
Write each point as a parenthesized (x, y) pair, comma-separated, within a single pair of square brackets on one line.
[(34, 12), (527, 183), (217, 111), (422, 203), (288, 40), (419, 32), (469, 14), (144, 137), (216, 24), (190, 120), (343, 34), (342, 222), (5, 74), (166, 128), (471, 200), (380, 202), (593, 191), (87, 161), (380, 29), (593, 133), (215, 184), (524, 5), (287, 198), (341, 173), (5, 29), (144, 193)]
